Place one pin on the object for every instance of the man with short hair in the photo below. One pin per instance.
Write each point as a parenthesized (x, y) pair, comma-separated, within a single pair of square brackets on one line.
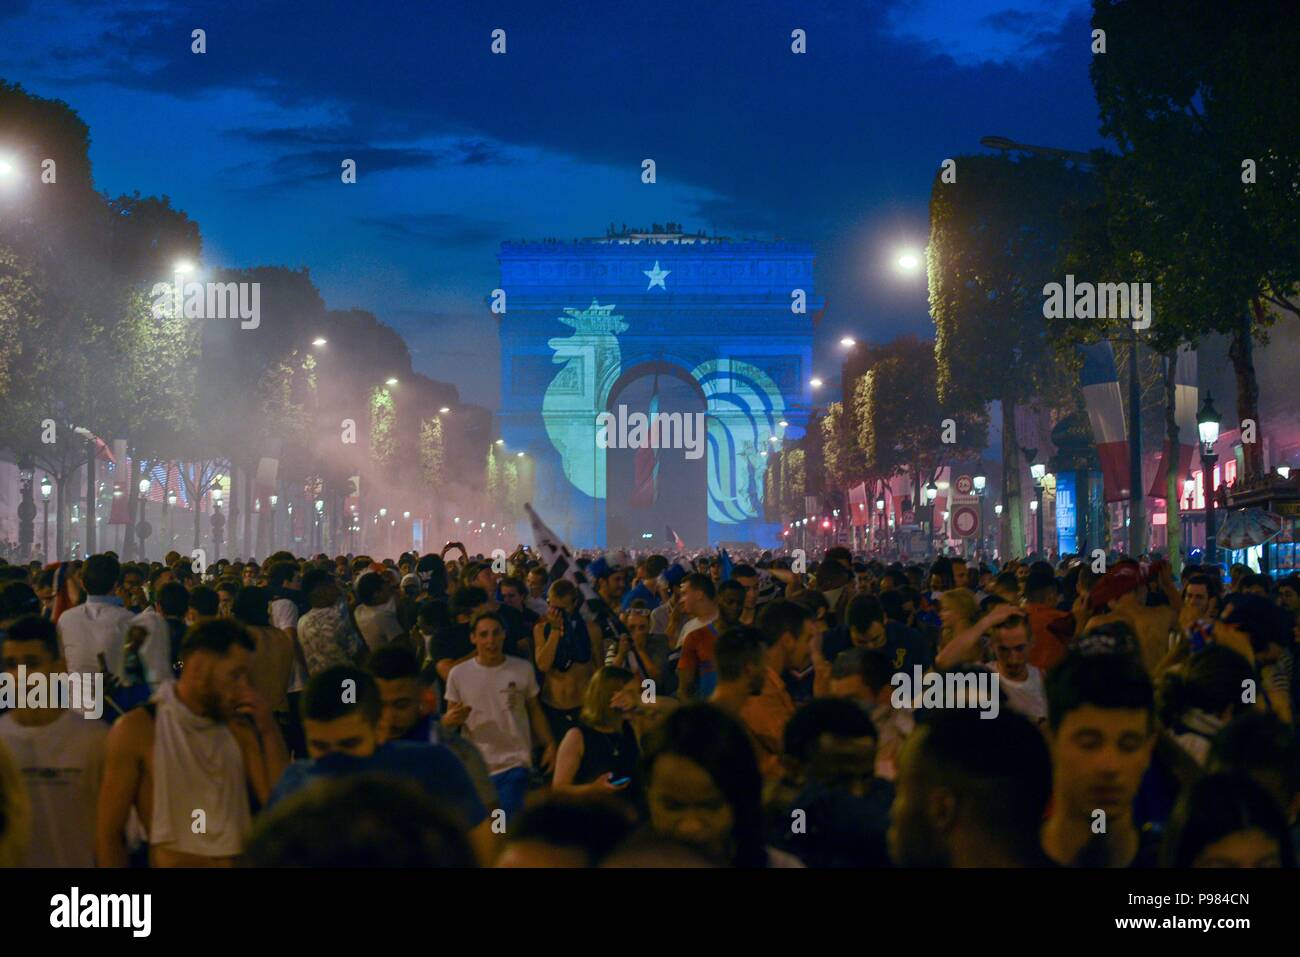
[(97, 627), (787, 631), (740, 657), (1101, 724), (204, 605), (376, 611), (1051, 627), (59, 751), (971, 792), (864, 676), (695, 667), (326, 634), (495, 698), (830, 759), (537, 581), (1021, 682), (191, 756), (865, 626), (341, 711), (451, 643)]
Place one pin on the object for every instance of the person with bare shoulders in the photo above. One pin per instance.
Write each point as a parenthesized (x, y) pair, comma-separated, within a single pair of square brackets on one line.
[(189, 760), (1121, 596), (565, 646)]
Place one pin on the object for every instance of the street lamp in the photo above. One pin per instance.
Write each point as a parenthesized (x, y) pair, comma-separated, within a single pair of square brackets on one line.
[(1037, 470), (908, 261), (931, 493), (391, 380), (815, 382), (848, 342), (46, 489), (319, 341), (1207, 425), (979, 481), (444, 410)]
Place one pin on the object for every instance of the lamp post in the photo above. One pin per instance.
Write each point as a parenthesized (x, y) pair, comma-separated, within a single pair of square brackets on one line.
[(1036, 471), (270, 525), (931, 493), (46, 489), (218, 522), (26, 508), (320, 524), (142, 528), (1207, 425)]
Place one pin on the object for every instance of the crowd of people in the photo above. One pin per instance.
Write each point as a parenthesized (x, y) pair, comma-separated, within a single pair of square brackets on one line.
[(648, 710)]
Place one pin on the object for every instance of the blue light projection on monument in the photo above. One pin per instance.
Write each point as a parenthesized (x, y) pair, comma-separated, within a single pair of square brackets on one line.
[(664, 322)]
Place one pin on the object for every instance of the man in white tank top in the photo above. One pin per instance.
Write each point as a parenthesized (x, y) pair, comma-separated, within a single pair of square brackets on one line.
[(188, 760)]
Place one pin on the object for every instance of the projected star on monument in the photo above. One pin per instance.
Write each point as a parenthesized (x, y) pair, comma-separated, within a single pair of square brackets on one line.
[(656, 277)]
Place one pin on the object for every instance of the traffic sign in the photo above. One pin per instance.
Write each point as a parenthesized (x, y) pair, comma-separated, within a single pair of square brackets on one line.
[(965, 521), (964, 485)]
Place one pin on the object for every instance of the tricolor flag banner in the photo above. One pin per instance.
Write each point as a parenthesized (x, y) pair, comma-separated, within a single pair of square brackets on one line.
[(858, 504), (558, 557), (555, 555), (1185, 407), (645, 489), (1100, 382)]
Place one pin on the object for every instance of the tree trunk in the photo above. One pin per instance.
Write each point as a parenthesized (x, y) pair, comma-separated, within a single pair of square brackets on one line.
[(249, 498), (60, 504), (1011, 533), (132, 509), (1173, 481), (1241, 351), (91, 494)]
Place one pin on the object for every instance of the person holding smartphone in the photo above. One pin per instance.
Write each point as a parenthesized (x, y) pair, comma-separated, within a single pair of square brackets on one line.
[(600, 754)]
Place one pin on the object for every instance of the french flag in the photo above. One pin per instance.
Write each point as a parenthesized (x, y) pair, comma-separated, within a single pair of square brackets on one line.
[(1100, 382), (1185, 407)]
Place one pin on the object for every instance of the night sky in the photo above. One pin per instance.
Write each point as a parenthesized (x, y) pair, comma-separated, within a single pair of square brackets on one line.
[(458, 149)]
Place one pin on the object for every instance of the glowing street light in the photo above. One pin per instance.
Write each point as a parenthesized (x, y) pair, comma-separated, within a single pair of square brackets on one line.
[(908, 261), (848, 342), (383, 513), (144, 486), (444, 410), (319, 341), (519, 455), (391, 380), (784, 424), (406, 515), (7, 166), (183, 266), (815, 382)]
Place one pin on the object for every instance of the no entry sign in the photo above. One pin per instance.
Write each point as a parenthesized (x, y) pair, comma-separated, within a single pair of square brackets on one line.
[(965, 521)]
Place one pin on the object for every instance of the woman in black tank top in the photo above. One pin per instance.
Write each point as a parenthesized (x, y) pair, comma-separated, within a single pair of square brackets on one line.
[(600, 754)]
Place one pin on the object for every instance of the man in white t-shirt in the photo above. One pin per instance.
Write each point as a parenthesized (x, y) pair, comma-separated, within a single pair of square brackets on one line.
[(1021, 682), (97, 627), (58, 750), (495, 700)]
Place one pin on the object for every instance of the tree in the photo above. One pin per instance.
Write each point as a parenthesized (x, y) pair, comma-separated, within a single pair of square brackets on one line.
[(1210, 163), (996, 238)]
